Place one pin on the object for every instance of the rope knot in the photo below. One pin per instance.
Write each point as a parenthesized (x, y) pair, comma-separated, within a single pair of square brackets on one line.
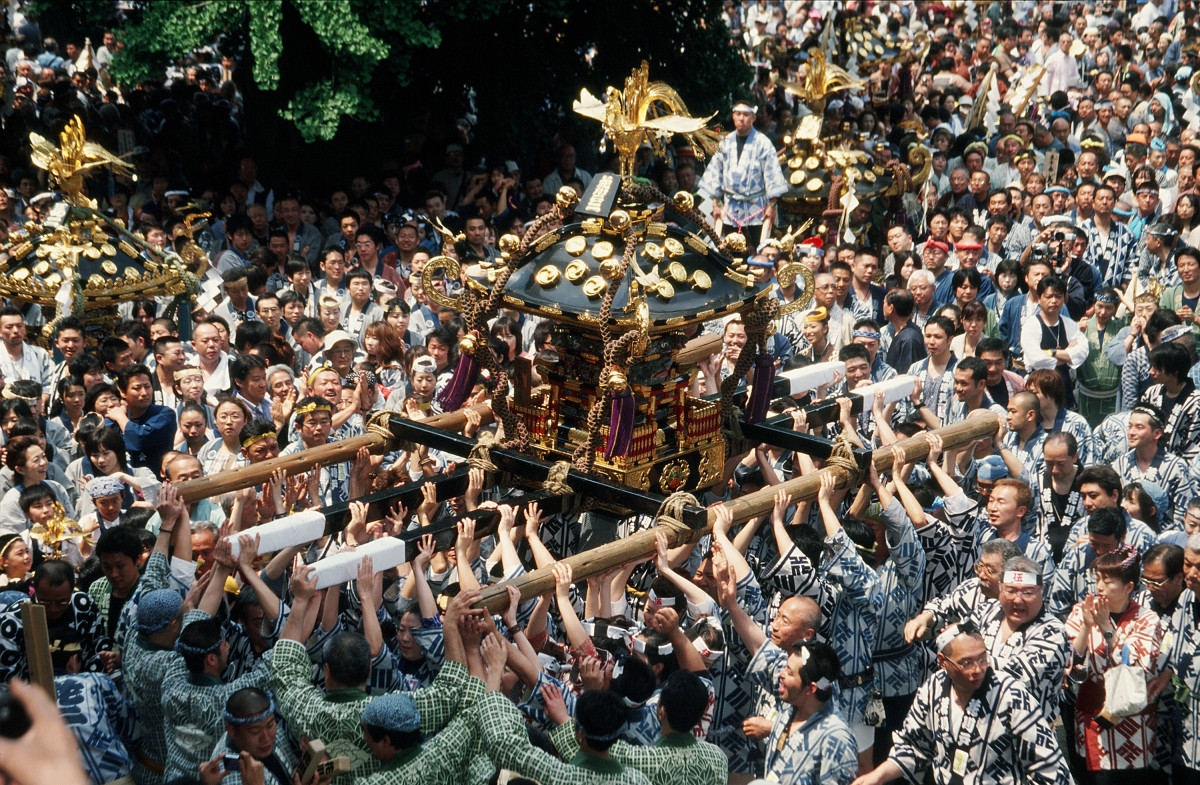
[(556, 479), (480, 456), (670, 512)]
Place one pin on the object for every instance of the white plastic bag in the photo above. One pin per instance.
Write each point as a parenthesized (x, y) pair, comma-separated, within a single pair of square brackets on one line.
[(1125, 691)]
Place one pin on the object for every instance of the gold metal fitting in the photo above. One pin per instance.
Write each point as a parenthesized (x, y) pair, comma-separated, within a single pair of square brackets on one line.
[(610, 269), (684, 200), (467, 344), (566, 198), (736, 243), (619, 220), (509, 243), (617, 380)]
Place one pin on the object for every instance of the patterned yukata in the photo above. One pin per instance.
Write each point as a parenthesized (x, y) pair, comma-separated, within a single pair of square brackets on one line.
[(972, 530), (507, 743), (821, 750), (1135, 376), (1002, 737), (1178, 625), (1168, 471), (155, 575), (442, 759), (899, 665), (938, 395), (1031, 452), (735, 695), (80, 623), (1037, 654), (104, 723), (745, 181), (857, 604), (1048, 516), (1111, 256), (674, 759), (1098, 380), (285, 757), (965, 601), (1131, 742), (1181, 433), (144, 667), (191, 706), (1110, 437), (1181, 657), (334, 716), (334, 484)]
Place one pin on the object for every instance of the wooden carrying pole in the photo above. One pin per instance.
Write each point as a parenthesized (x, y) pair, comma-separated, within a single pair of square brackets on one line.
[(644, 543), (323, 455)]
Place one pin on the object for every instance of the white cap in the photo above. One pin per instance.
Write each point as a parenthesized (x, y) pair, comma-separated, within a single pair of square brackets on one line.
[(336, 337)]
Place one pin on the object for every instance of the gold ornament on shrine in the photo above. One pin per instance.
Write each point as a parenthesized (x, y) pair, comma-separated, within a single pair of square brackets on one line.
[(56, 531), (81, 262)]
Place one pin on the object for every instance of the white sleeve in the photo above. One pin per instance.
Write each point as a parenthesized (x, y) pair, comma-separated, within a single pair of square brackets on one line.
[(1077, 344), (1036, 357)]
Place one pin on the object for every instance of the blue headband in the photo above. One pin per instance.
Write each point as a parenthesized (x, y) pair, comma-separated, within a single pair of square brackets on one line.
[(232, 720), (606, 737), (866, 334), (183, 648)]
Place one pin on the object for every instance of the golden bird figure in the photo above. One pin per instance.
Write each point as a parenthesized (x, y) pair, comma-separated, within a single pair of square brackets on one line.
[(646, 111), (75, 155)]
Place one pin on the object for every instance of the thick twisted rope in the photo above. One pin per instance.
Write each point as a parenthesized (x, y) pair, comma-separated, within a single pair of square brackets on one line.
[(670, 512), (842, 457), (480, 456)]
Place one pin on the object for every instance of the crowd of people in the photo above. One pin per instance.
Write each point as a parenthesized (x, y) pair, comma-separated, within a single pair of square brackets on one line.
[(1021, 608)]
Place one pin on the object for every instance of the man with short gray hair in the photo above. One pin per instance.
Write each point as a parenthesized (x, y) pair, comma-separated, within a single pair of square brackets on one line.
[(1023, 639)]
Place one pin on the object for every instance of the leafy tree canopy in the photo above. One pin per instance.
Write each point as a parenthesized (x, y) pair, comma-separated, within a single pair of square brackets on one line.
[(324, 66)]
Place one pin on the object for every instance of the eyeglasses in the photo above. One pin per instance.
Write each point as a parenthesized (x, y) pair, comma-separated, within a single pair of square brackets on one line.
[(367, 244), (1025, 594), (981, 661), (1153, 584)]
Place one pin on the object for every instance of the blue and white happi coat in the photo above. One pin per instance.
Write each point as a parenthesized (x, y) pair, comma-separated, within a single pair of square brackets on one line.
[(745, 183), (1004, 737)]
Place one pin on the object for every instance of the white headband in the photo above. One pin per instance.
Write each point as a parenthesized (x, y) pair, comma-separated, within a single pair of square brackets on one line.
[(1021, 578), (663, 650), (654, 599), (708, 654)]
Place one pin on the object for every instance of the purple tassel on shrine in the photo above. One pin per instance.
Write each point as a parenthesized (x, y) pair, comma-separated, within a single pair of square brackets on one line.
[(466, 372), (764, 383), (620, 424)]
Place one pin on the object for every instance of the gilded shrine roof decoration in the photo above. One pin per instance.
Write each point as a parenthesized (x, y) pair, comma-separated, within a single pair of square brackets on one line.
[(79, 260)]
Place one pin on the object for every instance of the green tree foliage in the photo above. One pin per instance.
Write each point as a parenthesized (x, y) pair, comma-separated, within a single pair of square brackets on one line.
[(325, 66)]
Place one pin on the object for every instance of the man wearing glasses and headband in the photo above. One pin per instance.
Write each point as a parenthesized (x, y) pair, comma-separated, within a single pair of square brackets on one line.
[(970, 724), (1022, 639)]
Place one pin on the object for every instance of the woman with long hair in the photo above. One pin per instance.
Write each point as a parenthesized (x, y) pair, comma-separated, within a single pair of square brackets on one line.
[(1186, 219)]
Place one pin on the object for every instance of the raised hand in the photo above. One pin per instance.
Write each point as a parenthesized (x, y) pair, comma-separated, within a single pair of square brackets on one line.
[(304, 582), (724, 521), (367, 579), (591, 673), (248, 551), (562, 577), (661, 560), (555, 706), (429, 504), (898, 460), (825, 492), (425, 552), (533, 519), (514, 601), (935, 447), (665, 621), (466, 534), (494, 651), (170, 504), (783, 500)]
